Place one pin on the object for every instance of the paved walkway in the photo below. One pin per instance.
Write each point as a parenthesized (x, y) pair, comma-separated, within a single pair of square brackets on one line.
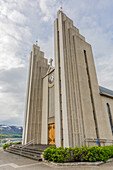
[(10, 161)]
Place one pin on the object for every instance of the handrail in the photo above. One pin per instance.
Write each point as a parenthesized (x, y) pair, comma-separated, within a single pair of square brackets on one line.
[(29, 143), (95, 139)]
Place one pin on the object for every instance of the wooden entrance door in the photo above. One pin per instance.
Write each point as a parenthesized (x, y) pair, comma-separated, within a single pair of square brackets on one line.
[(51, 137)]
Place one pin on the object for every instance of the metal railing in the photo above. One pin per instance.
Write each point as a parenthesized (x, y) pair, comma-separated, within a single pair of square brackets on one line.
[(102, 141), (27, 144)]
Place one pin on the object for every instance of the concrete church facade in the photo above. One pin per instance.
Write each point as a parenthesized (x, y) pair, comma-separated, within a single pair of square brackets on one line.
[(64, 105)]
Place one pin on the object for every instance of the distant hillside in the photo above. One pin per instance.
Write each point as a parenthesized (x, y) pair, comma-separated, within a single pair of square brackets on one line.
[(11, 131)]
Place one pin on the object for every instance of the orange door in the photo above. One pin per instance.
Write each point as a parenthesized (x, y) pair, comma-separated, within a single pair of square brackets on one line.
[(51, 139)]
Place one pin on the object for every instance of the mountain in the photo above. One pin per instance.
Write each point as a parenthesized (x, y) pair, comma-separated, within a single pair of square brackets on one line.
[(11, 131)]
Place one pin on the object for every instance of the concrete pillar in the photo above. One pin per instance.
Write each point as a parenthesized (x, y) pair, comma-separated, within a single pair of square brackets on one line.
[(44, 129), (58, 128)]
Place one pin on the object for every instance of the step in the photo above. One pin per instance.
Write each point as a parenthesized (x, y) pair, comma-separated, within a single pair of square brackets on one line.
[(27, 153), (35, 147), (28, 156), (31, 151), (26, 150)]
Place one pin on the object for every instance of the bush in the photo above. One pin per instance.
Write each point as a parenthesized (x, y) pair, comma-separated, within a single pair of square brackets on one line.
[(7, 145), (81, 154), (96, 153), (78, 154)]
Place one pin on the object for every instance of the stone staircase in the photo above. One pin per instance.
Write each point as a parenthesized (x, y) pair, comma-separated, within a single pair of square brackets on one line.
[(31, 151)]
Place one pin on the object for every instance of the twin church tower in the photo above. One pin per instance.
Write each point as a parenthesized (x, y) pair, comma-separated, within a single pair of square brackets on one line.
[(64, 105)]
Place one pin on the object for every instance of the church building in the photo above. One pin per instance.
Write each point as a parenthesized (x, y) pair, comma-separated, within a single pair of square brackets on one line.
[(65, 106)]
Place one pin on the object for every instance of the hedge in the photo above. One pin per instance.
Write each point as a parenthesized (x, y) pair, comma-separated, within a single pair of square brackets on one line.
[(78, 154)]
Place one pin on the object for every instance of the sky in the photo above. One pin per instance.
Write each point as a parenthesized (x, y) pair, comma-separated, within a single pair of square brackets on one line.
[(22, 22)]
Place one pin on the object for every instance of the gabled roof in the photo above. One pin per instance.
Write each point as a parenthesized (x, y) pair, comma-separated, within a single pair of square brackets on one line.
[(105, 91)]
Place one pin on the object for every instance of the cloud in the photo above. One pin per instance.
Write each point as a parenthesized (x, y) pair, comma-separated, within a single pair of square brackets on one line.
[(95, 23), (48, 47), (14, 33), (48, 9), (101, 40), (23, 22), (17, 17), (15, 45), (12, 95)]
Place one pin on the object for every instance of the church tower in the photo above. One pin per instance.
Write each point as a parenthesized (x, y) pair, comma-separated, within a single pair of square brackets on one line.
[(64, 106), (78, 107), (33, 113)]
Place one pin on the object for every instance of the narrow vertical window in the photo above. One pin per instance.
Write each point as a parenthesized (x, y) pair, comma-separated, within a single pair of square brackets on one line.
[(91, 94), (110, 117)]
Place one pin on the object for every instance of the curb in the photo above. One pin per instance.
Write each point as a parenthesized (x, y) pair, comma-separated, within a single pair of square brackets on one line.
[(79, 163)]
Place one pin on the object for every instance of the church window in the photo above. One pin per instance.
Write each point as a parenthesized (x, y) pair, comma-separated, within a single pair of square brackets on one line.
[(90, 89), (110, 117), (51, 102)]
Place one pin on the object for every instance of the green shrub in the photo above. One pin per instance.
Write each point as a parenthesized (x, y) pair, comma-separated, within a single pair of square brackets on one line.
[(54, 154), (58, 154), (7, 145), (16, 142), (77, 154), (49, 153), (81, 154), (96, 153)]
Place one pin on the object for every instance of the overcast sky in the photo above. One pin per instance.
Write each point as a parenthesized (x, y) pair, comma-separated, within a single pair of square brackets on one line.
[(22, 22)]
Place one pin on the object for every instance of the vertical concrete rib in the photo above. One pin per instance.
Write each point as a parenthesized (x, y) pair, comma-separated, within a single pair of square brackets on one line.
[(27, 98), (79, 118), (74, 92), (31, 104), (44, 134), (69, 83), (63, 84), (32, 118), (58, 127), (28, 101)]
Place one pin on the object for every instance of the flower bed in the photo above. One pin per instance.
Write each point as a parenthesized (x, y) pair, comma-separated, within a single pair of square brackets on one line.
[(78, 154)]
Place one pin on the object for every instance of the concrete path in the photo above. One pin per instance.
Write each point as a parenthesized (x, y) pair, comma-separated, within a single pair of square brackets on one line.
[(10, 161)]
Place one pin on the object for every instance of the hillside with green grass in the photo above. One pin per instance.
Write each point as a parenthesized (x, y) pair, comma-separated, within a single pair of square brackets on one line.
[(10, 131)]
